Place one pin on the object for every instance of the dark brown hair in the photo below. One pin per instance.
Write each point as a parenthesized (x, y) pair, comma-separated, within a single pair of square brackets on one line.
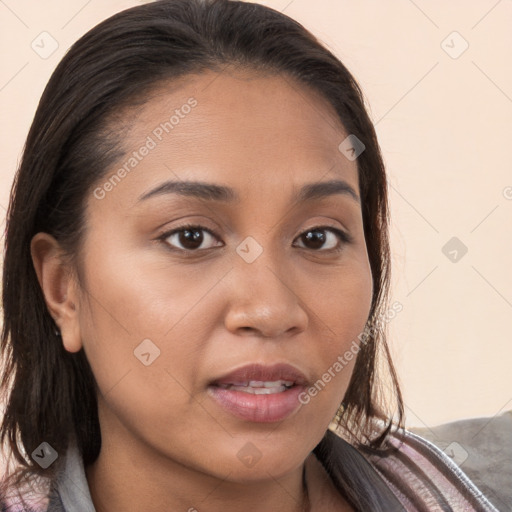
[(50, 393)]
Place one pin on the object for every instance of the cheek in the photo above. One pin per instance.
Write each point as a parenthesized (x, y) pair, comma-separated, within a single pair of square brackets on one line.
[(135, 322), (132, 296), (341, 301), (341, 305), (141, 350)]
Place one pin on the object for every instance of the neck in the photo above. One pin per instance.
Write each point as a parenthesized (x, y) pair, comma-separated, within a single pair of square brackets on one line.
[(129, 475)]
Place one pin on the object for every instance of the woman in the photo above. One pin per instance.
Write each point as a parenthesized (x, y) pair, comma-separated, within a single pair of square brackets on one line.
[(196, 280)]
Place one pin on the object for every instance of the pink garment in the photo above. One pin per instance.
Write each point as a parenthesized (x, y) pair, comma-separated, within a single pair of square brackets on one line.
[(425, 479)]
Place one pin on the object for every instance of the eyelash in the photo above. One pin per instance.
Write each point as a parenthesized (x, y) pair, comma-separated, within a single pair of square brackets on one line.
[(343, 236)]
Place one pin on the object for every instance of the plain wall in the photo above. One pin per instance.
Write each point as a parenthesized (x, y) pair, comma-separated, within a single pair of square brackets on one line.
[(444, 122)]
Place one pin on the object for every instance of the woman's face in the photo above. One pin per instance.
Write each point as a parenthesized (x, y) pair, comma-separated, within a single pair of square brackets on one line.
[(164, 317)]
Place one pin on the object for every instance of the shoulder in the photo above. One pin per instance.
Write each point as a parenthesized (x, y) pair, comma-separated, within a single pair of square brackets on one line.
[(422, 477), (482, 449), (16, 505), (32, 495), (27, 500)]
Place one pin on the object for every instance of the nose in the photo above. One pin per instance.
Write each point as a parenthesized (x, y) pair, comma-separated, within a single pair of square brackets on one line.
[(265, 300)]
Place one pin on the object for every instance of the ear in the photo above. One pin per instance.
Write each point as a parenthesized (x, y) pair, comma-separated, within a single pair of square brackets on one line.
[(59, 288)]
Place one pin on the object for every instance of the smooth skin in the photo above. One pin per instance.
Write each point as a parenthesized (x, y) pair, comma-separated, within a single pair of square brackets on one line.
[(166, 444)]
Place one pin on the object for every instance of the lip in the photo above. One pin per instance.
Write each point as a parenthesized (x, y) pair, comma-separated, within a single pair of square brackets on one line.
[(255, 371), (264, 408)]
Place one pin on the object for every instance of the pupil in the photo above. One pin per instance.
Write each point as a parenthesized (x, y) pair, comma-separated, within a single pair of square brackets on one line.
[(318, 239), (190, 238)]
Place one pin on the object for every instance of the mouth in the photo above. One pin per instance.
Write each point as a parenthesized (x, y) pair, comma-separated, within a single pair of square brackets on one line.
[(259, 393), (258, 387)]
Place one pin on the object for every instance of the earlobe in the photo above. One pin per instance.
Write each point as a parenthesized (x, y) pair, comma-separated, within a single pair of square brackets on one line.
[(59, 288)]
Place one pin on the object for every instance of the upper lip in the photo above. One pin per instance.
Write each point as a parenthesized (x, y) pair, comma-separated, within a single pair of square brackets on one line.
[(265, 373)]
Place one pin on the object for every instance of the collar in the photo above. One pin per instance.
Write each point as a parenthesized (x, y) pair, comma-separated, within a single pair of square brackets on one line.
[(72, 486)]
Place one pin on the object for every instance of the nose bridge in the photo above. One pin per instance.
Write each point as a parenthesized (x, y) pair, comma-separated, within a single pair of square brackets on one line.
[(263, 296)]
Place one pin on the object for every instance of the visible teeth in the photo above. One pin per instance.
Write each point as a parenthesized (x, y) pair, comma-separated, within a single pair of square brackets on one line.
[(270, 384), (258, 387), (259, 390)]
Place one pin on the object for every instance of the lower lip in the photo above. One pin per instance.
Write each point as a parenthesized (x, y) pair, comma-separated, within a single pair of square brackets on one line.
[(258, 408)]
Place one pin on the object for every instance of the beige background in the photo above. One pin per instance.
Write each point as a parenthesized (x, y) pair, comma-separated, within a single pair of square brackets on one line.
[(444, 122)]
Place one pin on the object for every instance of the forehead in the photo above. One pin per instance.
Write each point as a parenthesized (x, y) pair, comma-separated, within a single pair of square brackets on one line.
[(254, 131), (248, 103)]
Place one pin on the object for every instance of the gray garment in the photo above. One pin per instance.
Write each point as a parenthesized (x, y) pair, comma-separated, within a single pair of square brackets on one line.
[(482, 448), (73, 490)]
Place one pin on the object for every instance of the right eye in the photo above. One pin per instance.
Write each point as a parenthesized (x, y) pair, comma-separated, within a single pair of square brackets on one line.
[(189, 236)]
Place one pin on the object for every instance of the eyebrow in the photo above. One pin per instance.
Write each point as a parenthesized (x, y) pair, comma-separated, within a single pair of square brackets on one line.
[(214, 192)]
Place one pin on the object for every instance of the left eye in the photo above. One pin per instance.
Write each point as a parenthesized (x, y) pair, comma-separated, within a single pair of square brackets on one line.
[(317, 238)]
